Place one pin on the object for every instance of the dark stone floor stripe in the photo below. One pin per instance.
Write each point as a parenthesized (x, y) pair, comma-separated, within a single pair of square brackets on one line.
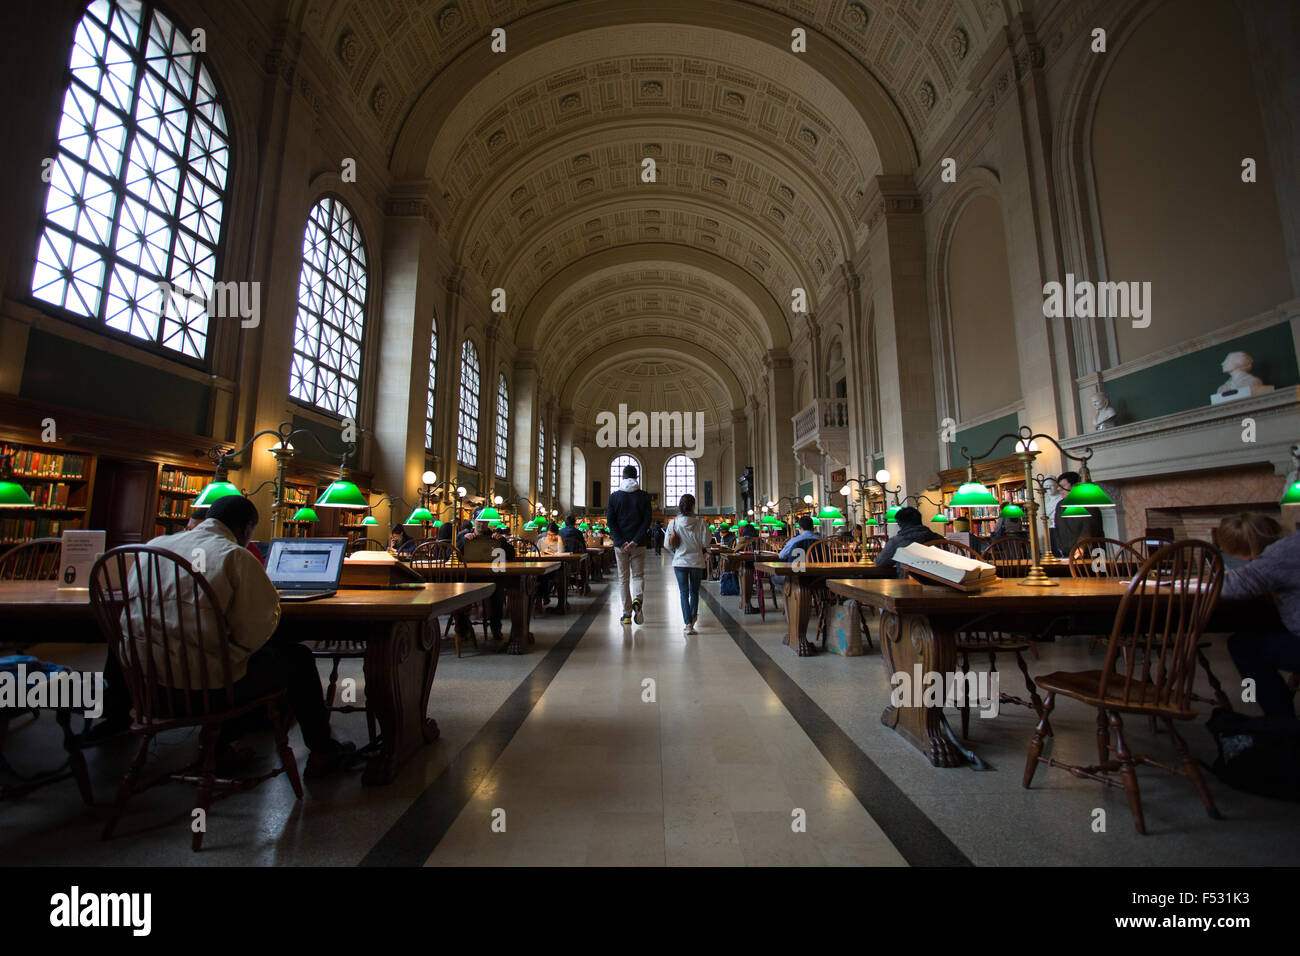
[(916, 836), (416, 834)]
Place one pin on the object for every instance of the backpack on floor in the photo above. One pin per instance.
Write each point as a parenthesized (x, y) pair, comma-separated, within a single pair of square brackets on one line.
[(1259, 755), (730, 583)]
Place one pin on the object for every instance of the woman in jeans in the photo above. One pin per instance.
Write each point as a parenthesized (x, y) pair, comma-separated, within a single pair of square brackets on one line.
[(687, 539)]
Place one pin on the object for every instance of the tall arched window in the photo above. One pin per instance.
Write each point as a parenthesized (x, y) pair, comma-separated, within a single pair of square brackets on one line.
[(616, 471), (433, 382), (541, 457), (137, 186), (555, 466), (579, 478), (467, 429), (679, 479), (503, 426), (326, 367)]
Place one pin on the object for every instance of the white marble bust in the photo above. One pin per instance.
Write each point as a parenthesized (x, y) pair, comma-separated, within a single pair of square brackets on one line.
[(1241, 383), (1238, 366), (1105, 416)]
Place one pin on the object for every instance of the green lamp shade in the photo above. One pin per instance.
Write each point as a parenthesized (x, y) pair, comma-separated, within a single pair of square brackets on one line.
[(892, 513), (1292, 496), (215, 490), (437, 524), (1088, 495), (489, 514), (838, 522), (584, 526), (1074, 512), (1013, 511), (829, 511), (419, 515), (369, 519), (973, 495), (12, 495), (304, 514), (940, 518), (342, 494), (871, 523)]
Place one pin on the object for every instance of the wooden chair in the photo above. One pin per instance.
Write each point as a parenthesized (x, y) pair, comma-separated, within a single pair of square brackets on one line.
[(1103, 558), (832, 551), (1147, 544), (1149, 670), (1010, 554), (167, 663), (1107, 557), (35, 560), (956, 547), (365, 544)]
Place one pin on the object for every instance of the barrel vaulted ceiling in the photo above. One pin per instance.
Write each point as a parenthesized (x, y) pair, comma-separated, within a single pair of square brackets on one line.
[(671, 292)]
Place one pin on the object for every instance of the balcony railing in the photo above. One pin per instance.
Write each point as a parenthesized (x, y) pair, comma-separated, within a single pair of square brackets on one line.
[(822, 416)]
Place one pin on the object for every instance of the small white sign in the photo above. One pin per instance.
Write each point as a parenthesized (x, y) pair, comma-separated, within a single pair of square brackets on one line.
[(81, 549)]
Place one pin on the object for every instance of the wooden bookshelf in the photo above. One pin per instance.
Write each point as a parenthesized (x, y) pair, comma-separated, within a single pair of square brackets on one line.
[(1004, 477), (57, 480), (178, 486)]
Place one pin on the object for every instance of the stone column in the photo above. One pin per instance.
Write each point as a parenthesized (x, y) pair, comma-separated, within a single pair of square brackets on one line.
[(740, 453), (405, 324), (523, 406), (781, 464), (1271, 28), (909, 426), (567, 428)]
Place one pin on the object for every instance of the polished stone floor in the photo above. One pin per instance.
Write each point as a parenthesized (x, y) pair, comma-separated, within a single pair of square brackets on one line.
[(641, 746)]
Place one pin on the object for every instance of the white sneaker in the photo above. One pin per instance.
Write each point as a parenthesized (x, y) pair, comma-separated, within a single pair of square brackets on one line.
[(687, 630), (690, 628)]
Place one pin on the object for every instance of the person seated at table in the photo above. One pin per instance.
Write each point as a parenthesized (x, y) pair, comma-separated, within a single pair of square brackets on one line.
[(549, 543), (1272, 568), (447, 532), (749, 536), (911, 530), (479, 543), (729, 537), (251, 608), (574, 542), (1070, 530), (797, 547), (200, 515), (1014, 527), (400, 542)]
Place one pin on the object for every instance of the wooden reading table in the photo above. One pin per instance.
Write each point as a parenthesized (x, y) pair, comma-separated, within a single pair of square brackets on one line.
[(919, 624), (398, 627), (805, 579), (515, 577)]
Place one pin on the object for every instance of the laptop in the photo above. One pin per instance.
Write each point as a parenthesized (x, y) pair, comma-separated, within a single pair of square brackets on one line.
[(303, 569)]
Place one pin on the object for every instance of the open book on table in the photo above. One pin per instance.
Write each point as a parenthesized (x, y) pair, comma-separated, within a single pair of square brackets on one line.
[(945, 567)]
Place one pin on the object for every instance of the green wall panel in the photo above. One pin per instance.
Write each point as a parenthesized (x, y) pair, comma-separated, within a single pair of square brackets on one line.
[(978, 439), (1186, 382), (64, 372)]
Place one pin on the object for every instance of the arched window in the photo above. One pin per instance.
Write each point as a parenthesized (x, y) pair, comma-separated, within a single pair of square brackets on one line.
[(326, 367), (503, 426), (679, 479), (541, 457), (616, 471), (579, 478), (433, 382), (137, 187), (555, 466), (467, 429)]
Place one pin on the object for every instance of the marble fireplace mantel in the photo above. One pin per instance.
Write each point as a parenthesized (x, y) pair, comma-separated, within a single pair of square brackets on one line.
[(1199, 439)]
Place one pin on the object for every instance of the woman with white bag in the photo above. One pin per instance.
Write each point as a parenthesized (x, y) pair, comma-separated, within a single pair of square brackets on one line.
[(688, 538)]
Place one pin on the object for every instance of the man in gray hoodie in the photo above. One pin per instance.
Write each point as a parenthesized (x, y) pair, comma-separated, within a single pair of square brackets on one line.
[(630, 515)]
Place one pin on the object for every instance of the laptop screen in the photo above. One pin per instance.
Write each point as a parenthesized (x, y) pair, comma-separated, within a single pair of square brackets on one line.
[(305, 562)]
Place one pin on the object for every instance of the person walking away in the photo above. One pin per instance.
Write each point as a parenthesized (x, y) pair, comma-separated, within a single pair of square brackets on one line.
[(688, 539), (629, 517)]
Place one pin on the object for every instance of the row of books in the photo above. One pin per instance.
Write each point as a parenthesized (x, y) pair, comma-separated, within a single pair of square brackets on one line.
[(182, 481), (29, 461), (50, 496), (175, 507), (13, 529)]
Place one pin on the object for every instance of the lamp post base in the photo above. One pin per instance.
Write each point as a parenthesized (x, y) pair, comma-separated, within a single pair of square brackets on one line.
[(1037, 578)]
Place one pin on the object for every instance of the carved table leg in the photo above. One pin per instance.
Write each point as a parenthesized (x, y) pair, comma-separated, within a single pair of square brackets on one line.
[(915, 646), (798, 609), (517, 598), (563, 601), (400, 666)]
